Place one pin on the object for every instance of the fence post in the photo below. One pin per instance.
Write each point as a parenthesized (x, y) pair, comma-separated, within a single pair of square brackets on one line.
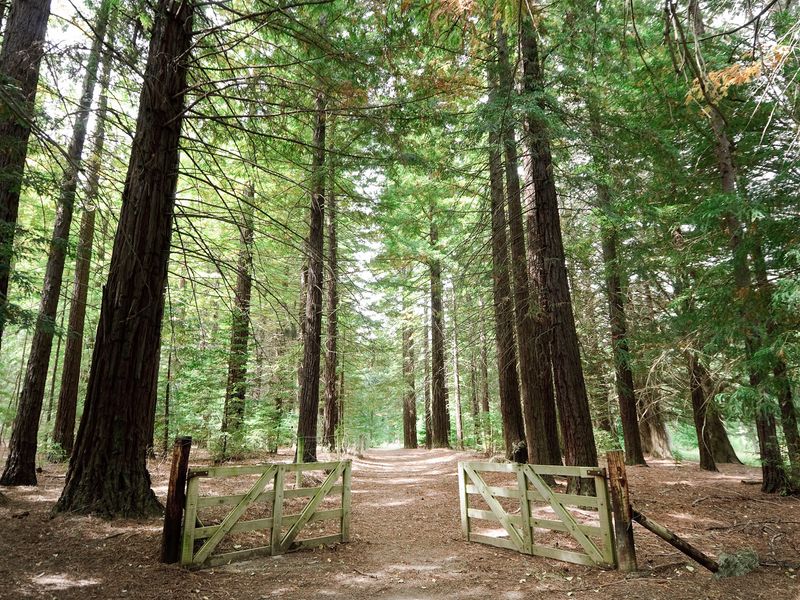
[(346, 483), (462, 499), (176, 496), (621, 507), (277, 511), (525, 510)]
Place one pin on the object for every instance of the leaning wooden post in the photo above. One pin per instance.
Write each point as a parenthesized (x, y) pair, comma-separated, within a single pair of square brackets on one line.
[(176, 496), (621, 508)]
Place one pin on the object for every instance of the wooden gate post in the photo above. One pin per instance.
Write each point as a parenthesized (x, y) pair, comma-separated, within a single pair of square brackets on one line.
[(176, 495), (621, 507)]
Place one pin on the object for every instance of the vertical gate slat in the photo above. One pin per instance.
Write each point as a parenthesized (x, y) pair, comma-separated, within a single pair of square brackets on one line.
[(525, 509), (277, 510), (346, 481), (604, 512), (189, 518), (462, 499)]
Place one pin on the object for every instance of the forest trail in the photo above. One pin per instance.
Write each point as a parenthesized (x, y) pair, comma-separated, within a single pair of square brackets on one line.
[(406, 544)]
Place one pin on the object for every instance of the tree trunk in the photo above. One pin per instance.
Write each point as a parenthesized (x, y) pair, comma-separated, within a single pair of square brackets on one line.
[(427, 380), (697, 390), (473, 392), (20, 56), (332, 304), (573, 403), (108, 471), (510, 404), (440, 419), (20, 466), (309, 382), (538, 402), (620, 348), (484, 374), (54, 374), (409, 391), (779, 370), (652, 429), (236, 388), (457, 376)]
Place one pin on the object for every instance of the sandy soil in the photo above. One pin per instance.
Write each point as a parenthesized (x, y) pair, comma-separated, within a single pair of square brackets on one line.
[(407, 544)]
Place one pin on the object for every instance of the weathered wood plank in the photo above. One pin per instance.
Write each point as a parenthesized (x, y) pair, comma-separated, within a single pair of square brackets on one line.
[(317, 541), (347, 478), (493, 541), (237, 470), (463, 503), (189, 518), (487, 467), (176, 500), (565, 555), (232, 517), (590, 530), (565, 516), (604, 512), (487, 515), (525, 510), (496, 491), (311, 507), (495, 506), (621, 507), (202, 533), (277, 512), (229, 557), (307, 492)]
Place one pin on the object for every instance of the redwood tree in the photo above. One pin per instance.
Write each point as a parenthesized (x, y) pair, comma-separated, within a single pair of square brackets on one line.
[(20, 467), (20, 56), (440, 420), (571, 397), (108, 472), (312, 338)]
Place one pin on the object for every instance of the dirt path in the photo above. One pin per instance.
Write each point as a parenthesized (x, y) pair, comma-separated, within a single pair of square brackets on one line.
[(406, 544)]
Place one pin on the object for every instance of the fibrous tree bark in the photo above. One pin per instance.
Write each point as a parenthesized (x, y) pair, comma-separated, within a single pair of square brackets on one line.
[(440, 419), (538, 402), (620, 347), (20, 467), (332, 412), (510, 403), (426, 351), (457, 375), (108, 473), (571, 397), (310, 372), (409, 390), (238, 354), (20, 57)]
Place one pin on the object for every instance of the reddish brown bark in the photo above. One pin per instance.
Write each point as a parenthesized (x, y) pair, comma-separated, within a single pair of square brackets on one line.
[(108, 472)]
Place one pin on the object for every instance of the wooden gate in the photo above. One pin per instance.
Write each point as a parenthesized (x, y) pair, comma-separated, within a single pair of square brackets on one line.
[(535, 499), (266, 497)]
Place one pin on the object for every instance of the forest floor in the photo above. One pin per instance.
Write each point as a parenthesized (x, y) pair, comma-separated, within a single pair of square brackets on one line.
[(407, 544)]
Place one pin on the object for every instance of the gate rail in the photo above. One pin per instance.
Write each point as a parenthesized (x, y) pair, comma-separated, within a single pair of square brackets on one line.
[(337, 482), (596, 541)]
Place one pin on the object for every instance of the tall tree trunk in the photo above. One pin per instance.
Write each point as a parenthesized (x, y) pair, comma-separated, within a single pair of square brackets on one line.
[(484, 375), (538, 402), (20, 466), (573, 403), (510, 404), (167, 401), (457, 376), (409, 391), (620, 347), (652, 428), (440, 419), (108, 471), (20, 57), (236, 387), (309, 382), (698, 375), (473, 392), (779, 371), (332, 305), (772, 470), (54, 374), (427, 380)]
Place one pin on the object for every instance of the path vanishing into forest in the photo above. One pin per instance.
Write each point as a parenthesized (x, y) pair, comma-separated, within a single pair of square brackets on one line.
[(406, 544)]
